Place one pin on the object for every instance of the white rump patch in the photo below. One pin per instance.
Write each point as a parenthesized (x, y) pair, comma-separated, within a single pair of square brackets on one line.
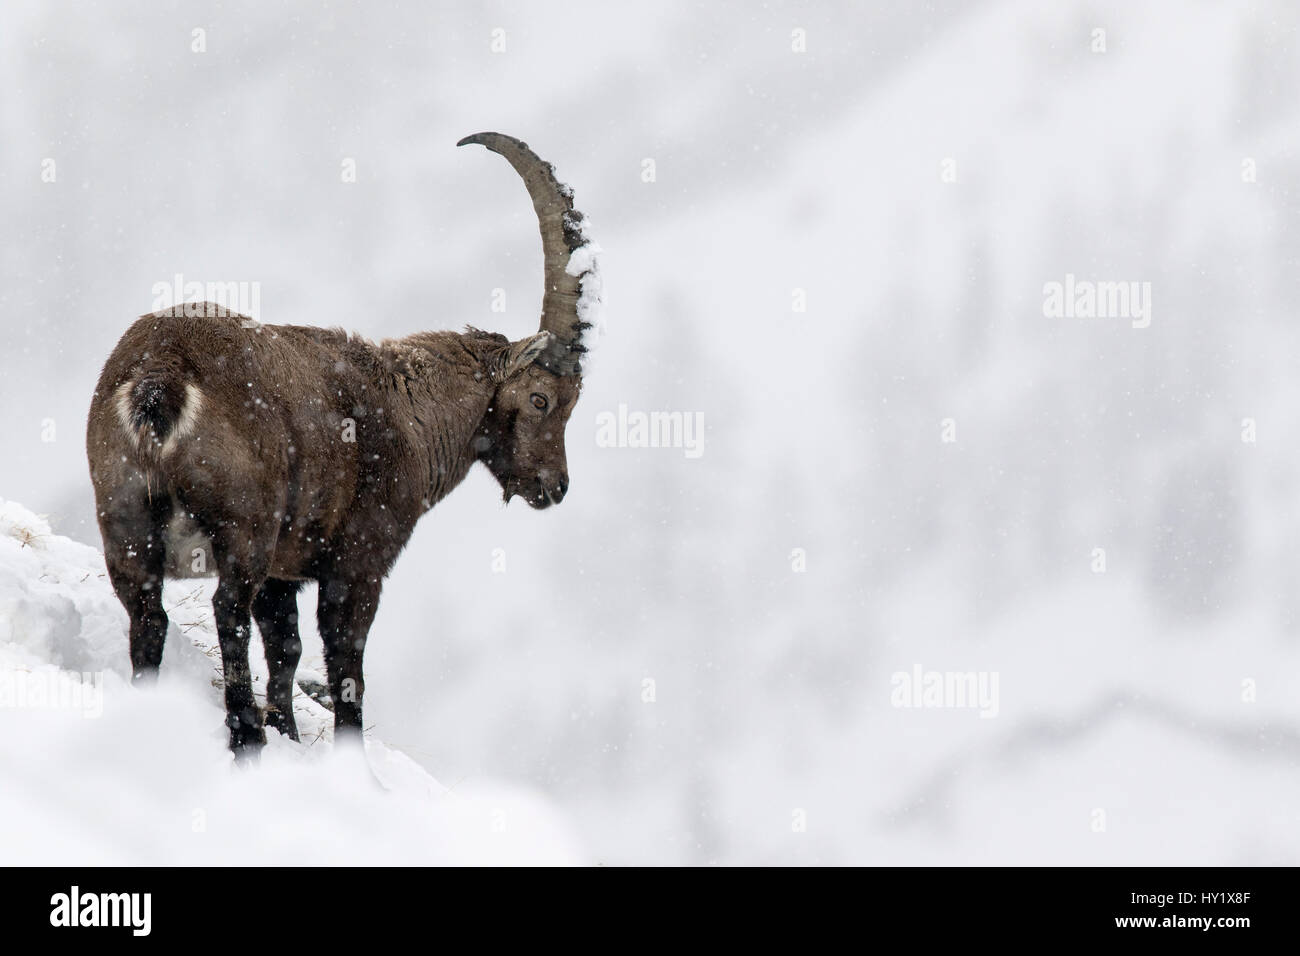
[(182, 428), (188, 419), (122, 402)]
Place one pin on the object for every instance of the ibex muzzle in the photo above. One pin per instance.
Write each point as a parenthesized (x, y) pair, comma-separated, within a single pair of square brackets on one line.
[(304, 454)]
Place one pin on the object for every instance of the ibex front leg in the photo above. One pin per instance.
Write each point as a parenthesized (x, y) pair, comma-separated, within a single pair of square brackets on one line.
[(345, 610)]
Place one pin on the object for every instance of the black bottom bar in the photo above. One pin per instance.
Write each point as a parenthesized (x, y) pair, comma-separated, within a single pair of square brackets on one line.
[(349, 904)]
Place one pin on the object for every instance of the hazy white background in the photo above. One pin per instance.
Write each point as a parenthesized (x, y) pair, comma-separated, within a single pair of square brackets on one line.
[(1120, 692)]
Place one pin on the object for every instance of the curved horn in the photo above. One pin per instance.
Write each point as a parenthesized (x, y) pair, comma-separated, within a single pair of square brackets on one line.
[(563, 233)]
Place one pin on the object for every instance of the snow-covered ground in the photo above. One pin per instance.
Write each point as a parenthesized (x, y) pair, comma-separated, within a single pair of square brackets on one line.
[(97, 772)]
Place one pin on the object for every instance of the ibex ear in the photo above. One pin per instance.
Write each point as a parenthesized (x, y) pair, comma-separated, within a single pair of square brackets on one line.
[(521, 354)]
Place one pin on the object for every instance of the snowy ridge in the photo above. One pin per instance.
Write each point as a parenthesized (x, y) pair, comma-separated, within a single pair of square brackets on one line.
[(100, 773)]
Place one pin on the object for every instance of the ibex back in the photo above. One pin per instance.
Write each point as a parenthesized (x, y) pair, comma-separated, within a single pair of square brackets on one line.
[(304, 454)]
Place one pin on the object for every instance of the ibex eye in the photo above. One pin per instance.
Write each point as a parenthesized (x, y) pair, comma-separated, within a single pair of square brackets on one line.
[(539, 401)]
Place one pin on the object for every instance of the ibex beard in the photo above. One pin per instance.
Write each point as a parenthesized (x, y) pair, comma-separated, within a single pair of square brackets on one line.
[(302, 454)]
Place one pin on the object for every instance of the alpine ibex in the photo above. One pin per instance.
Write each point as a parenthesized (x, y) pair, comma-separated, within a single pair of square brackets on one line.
[(305, 454)]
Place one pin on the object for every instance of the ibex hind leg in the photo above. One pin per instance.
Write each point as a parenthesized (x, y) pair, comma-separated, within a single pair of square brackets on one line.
[(133, 516), (241, 548), (276, 611)]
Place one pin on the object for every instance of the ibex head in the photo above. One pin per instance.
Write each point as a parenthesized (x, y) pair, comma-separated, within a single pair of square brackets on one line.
[(521, 439)]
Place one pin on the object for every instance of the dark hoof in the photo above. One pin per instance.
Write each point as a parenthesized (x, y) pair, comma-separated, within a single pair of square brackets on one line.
[(247, 738)]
